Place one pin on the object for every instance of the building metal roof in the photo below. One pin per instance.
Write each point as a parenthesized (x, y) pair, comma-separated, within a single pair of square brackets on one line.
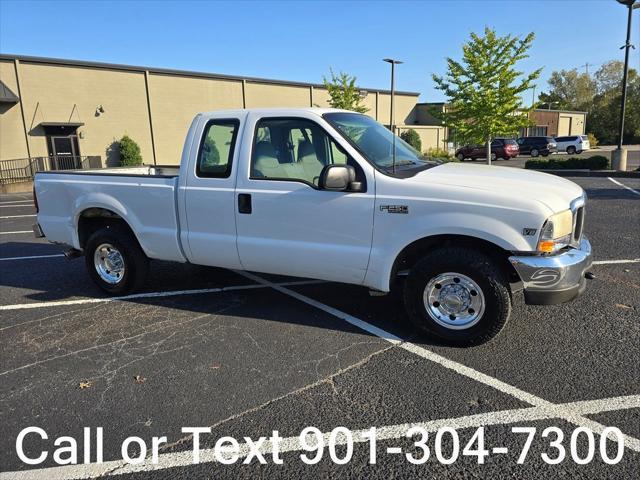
[(168, 71), (6, 95)]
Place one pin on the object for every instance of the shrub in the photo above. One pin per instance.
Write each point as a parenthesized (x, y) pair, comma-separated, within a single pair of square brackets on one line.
[(438, 153), (597, 162), (412, 138), (593, 141), (129, 152)]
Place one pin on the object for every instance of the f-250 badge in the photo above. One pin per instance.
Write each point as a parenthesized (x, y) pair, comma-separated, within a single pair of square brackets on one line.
[(395, 208)]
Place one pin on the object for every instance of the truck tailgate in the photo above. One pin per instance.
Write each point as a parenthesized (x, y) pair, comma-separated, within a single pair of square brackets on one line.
[(146, 203)]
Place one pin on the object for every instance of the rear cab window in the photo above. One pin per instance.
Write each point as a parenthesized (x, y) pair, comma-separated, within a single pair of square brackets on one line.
[(216, 148)]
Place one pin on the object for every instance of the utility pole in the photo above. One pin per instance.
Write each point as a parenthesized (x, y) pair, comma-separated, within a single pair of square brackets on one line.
[(586, 67), (619, 156)]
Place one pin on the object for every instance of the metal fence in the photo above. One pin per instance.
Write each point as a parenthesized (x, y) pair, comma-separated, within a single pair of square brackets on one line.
[(23, 169)]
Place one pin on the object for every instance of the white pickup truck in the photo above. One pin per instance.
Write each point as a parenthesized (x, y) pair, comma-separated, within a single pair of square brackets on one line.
[(331, 195)]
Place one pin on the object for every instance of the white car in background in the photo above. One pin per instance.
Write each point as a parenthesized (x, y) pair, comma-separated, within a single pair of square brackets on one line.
[(573, 144)]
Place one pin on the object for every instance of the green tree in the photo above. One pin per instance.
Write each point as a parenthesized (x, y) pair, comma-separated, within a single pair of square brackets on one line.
[(569, 89), (129, 152), (600, 96), (412, 138), (343, 92), (485, 90)]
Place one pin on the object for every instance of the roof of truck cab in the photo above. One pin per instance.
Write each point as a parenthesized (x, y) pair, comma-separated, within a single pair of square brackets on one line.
[(275, 111)]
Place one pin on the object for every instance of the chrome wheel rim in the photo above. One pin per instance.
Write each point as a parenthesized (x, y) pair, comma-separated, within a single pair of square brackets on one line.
[(109, 263), (454, 301)]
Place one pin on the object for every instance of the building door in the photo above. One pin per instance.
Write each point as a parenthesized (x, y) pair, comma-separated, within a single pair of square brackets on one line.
[(64, 152)]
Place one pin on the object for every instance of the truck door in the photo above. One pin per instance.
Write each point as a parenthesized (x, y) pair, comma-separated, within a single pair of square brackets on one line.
[(286, 224), (209, 201)]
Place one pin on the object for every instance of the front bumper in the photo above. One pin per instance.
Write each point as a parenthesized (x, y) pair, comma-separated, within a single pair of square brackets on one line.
[(548, 280)]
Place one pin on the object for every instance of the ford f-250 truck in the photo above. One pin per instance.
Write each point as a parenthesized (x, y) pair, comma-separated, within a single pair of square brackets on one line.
[(331, 195)]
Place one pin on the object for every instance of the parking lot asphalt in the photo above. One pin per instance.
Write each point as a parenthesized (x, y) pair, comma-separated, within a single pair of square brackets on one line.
[(249, 354)]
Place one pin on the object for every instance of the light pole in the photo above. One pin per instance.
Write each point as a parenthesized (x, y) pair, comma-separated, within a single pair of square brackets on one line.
[(392, 119), (619, 157)]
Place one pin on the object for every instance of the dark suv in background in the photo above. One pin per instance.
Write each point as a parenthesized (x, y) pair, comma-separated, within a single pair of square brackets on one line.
[(506, 148), (535, 146)]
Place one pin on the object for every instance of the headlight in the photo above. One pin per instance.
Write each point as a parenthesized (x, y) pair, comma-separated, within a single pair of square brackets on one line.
[(556, 232)]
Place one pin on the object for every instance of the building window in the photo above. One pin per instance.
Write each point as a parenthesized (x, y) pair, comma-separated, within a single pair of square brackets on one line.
[(538, 131)]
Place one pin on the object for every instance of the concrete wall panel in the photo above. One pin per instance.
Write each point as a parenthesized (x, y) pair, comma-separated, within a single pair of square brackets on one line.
[(13, 144)]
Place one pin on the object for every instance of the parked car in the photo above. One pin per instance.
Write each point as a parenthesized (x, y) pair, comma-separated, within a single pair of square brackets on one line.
[(573, 144), (505, 148), (320, 193), (535, 146)]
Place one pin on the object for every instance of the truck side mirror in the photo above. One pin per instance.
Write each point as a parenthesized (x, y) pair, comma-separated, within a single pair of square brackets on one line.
[(337, 177)]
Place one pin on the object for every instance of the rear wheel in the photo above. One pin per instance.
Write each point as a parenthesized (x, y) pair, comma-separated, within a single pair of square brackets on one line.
[(571, 150), (493, 157), (534, 152), (460, 157), (457, 295), (115, 261)]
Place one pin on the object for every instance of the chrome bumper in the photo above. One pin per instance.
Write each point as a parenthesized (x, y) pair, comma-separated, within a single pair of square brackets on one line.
[(554, 279)]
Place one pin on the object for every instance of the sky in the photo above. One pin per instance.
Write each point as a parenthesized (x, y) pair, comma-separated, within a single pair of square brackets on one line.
[(301, 40)]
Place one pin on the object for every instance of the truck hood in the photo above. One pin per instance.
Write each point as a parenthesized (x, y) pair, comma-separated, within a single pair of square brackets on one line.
[(556, 193)]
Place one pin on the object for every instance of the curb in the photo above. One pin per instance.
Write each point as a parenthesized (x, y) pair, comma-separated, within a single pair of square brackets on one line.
[(591, 173)]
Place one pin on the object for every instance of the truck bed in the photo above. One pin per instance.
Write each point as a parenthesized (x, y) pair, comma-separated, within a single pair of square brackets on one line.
[(144, 196)]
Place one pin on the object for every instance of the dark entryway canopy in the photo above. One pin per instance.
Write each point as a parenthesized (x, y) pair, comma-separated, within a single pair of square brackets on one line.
[(60, 128), (6, 95)]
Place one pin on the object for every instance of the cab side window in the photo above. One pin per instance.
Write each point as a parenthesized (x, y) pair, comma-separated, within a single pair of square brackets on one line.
[(294, 149), (216, 149)]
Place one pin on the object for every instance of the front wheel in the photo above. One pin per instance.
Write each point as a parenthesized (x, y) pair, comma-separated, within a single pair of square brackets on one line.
[(571, 150), (115, 261), (457, 295), (534, 152), (460, 157)]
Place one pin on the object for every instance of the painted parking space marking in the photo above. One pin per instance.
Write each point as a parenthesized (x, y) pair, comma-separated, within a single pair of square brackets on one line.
[(613, 262), (31, 257), (6, 217), (25, 205), (26, 201), (293, 444), (134, 296), (14, 233), (630, 442), (632, 190)]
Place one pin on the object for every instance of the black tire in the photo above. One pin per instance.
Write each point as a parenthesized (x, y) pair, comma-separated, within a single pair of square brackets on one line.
[(535, 152), (136, 263), (571, 150), (478, 267), (460, 157)]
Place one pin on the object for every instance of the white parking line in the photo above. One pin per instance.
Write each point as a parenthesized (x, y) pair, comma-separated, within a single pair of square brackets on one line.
[(292, 444), (630, 442), (134, 296), (32, 257), (18, 206), (611, 262), (20, 231), (26, 201), (624, 186), (17, 216)]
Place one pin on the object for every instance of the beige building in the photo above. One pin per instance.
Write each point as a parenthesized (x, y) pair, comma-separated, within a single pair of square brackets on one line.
[(52, 108)]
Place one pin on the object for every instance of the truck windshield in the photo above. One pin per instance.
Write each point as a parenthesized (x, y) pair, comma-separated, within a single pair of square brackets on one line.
[(375, 142)]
